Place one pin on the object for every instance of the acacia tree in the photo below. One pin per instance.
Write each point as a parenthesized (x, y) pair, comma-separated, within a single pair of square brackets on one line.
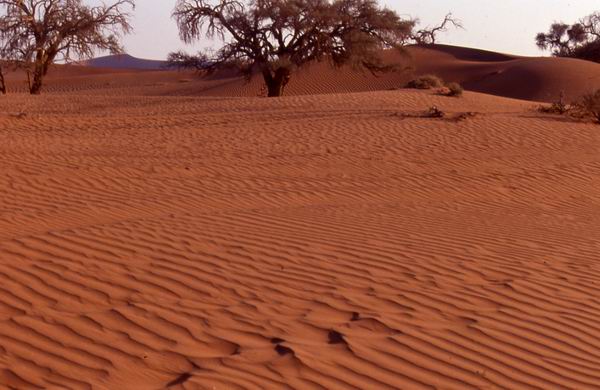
[(428, 36), (9, 55), (6, 54), (36, 33), (274, 37), (579, 40)]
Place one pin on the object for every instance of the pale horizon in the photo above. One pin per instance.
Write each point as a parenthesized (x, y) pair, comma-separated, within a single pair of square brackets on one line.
[(507, 27)]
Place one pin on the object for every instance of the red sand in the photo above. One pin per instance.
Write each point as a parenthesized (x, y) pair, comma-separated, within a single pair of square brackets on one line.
[(328, 241), (528, 78)]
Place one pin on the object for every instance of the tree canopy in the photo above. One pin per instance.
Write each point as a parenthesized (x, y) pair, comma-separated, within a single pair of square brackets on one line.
[(578, 40), (273, 37)]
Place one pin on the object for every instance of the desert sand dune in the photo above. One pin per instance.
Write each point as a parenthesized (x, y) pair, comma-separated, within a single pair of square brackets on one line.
[(333, 241), (528, 78)]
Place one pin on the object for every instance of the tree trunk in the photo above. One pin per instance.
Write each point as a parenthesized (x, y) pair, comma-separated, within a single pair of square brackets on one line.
[(274, 88), (2, 82), (36, 86), (276, 82), (41, 65)]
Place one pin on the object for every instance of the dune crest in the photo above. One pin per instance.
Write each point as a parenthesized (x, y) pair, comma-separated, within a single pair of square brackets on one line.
[(528, 78), (124, 61)]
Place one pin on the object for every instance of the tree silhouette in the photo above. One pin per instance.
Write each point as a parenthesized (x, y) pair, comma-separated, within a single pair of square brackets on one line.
[(428, 36), (578, 40), (36, 33), (275, 37)]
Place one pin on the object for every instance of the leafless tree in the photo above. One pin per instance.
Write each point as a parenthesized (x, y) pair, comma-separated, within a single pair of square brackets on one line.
[(591, 24), (428, 35), (6, 55), (9, 60), (579, 40), (36, 33), (274, 37)]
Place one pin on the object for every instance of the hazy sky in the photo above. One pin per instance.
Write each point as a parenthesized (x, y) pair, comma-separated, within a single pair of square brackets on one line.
[(500, 25)]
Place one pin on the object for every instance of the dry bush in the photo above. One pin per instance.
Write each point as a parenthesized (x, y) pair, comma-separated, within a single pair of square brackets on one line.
[(463, 116), (590, 104), (427, 81), (586, 107), (453, 89), (434, 112), (431, 112), (554, 108), (557, 107)]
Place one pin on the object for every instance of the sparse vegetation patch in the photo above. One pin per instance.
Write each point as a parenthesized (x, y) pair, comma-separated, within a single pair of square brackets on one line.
[(453, 89), (427, 81), (587, 107), (590, 104), (559, 106), (463, 116), (434, 112)]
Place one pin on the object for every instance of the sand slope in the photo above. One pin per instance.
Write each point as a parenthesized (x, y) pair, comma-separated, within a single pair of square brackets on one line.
[(529, 78), (310, 242)]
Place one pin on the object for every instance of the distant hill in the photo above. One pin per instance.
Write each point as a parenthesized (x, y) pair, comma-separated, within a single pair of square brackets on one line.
[(124, 61)]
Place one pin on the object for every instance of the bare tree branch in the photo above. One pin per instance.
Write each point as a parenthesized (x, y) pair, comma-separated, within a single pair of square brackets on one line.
[(428, 36)]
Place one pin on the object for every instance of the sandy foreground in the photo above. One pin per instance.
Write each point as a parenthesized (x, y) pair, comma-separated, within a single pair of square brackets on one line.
[(309, 242)]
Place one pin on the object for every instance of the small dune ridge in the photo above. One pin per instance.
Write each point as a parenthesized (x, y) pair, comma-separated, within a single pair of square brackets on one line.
[(334, 241), (540, 79)]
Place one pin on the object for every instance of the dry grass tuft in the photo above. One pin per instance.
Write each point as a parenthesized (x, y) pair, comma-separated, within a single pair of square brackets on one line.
[(434, 112), (587, 107), (453, 89), (463, 116), (559, 107), (590, 104), (427, 81)]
